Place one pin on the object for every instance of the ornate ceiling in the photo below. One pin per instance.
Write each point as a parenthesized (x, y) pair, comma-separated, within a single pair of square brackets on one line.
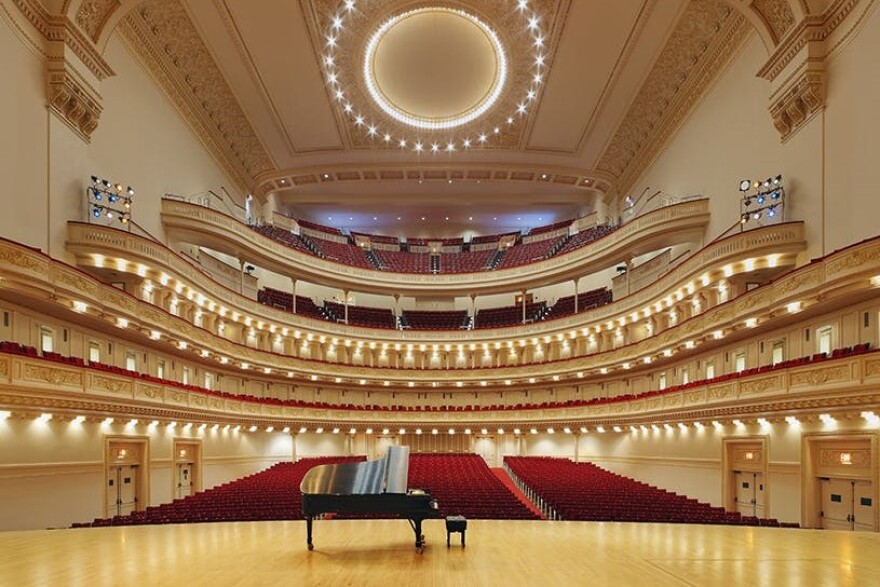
[(297, 99)]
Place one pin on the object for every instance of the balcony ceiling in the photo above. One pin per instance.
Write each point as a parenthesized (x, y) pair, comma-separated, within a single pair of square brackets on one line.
[(336, 126)]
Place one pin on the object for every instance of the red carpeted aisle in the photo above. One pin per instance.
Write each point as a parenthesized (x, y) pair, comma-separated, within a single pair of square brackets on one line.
[(508, 482)]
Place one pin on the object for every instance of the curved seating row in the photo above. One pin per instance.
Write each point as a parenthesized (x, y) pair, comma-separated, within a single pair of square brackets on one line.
[(586, 492), (15, 348), (413, 256)]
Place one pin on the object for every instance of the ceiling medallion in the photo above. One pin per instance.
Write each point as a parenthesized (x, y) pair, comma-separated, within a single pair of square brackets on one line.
[(434, 78)]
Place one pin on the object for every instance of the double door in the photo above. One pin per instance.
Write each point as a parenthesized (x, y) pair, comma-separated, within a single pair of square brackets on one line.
[(749, 496), (122, 489), (847, 505)]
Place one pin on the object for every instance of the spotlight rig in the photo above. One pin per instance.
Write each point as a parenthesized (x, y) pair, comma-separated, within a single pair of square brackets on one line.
[(108, 200), (761, 199)]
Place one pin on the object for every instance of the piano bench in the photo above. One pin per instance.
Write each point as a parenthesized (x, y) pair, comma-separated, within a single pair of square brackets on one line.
[(455, 524)]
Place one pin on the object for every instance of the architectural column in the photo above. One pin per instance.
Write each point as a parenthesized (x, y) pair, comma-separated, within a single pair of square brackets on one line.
[(241, 264), (575, 296), (577, 446), (293, 293), (523, 292), (345, 293), (293, 437)]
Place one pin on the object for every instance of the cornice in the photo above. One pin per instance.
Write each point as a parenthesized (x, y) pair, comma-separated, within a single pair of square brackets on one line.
[(162, 35), (312, 176), (813, 28), (706, 40), (190, 223), (60, 28)]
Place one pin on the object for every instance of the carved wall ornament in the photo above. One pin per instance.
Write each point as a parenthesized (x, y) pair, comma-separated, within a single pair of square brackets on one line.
[(4, 367), (111, 385), (92, 15), (855, 458), (818, 376), (760, 385), (73, 102), (777, 14), (53, 376), (853, 260), (798, 103)]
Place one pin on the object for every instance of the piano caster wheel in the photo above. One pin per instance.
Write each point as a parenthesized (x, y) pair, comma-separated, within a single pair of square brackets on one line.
[(311, 547)]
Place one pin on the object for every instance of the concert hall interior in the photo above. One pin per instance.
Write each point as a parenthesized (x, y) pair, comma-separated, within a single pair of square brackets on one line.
[(609, 271)]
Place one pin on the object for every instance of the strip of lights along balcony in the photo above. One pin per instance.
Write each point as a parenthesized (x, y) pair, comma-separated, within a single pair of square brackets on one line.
[(434, 78)]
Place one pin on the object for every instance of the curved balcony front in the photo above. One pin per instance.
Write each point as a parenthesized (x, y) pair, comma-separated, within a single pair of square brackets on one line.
[(664, 227)]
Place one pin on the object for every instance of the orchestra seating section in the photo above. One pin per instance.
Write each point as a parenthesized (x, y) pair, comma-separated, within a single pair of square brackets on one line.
[(434, 320), (272, 494), (509, 315), (412, 256), (461, 483), (842, 353), (361, 315), (586, 492), (464, 485)]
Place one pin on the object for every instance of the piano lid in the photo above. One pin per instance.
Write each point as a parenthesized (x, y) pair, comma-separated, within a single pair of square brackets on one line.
[(385, 475)]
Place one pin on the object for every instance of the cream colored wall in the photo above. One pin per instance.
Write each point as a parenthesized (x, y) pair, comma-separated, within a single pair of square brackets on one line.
[(144, 142), (141, 141), (52, 473), (23, 153), (829, 164)]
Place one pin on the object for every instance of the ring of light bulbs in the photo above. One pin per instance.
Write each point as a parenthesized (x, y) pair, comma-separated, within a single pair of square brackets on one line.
[(347, 12), (434, 123)]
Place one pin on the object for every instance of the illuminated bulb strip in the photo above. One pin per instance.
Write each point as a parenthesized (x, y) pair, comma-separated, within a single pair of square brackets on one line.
[(417, 144), (428, 123)]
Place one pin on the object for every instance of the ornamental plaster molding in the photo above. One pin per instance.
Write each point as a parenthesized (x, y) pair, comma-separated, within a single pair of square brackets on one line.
[(92, 16), (502, 17), (777, 14), (705, 41), (162, 35), (72, 100)]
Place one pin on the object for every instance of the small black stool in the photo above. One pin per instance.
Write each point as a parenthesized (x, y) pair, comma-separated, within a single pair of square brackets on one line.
[(455, 524)]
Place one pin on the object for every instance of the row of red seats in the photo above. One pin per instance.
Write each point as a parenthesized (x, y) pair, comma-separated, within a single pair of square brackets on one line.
[(509, 315), (362, 315), (586, 492), (15, 348), (434, 320), (586, 301), (317, 242), (272, 494)]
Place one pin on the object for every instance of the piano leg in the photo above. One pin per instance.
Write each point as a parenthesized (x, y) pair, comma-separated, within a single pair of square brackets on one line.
[(416, 524), (309, 532)]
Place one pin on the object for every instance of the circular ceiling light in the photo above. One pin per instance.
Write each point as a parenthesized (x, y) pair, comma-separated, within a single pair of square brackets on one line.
[(434, 68), (355, 80)]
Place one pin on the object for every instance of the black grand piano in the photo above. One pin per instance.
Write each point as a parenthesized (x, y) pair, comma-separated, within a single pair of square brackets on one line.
[(372, 487)]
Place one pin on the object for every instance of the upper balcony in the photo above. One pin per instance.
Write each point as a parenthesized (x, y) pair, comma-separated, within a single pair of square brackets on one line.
[(671, 225)]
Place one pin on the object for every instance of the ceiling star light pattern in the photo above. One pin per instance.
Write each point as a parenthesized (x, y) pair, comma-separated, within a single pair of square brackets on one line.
[(520, 29)]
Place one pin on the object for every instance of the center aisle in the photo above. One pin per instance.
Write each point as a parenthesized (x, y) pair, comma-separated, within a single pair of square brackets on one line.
[(508, 482)]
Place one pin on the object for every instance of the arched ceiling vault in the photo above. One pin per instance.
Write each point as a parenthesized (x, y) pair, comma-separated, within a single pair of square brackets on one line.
[(594, 127)]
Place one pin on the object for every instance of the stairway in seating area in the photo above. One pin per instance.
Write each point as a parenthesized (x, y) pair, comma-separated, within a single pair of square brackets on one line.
[(508, 482)]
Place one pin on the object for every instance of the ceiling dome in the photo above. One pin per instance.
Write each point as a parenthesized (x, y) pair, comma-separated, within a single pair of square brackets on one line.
[(434, 68)]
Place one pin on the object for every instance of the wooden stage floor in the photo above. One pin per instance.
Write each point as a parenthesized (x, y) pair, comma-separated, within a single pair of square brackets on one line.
[(381, 552)]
